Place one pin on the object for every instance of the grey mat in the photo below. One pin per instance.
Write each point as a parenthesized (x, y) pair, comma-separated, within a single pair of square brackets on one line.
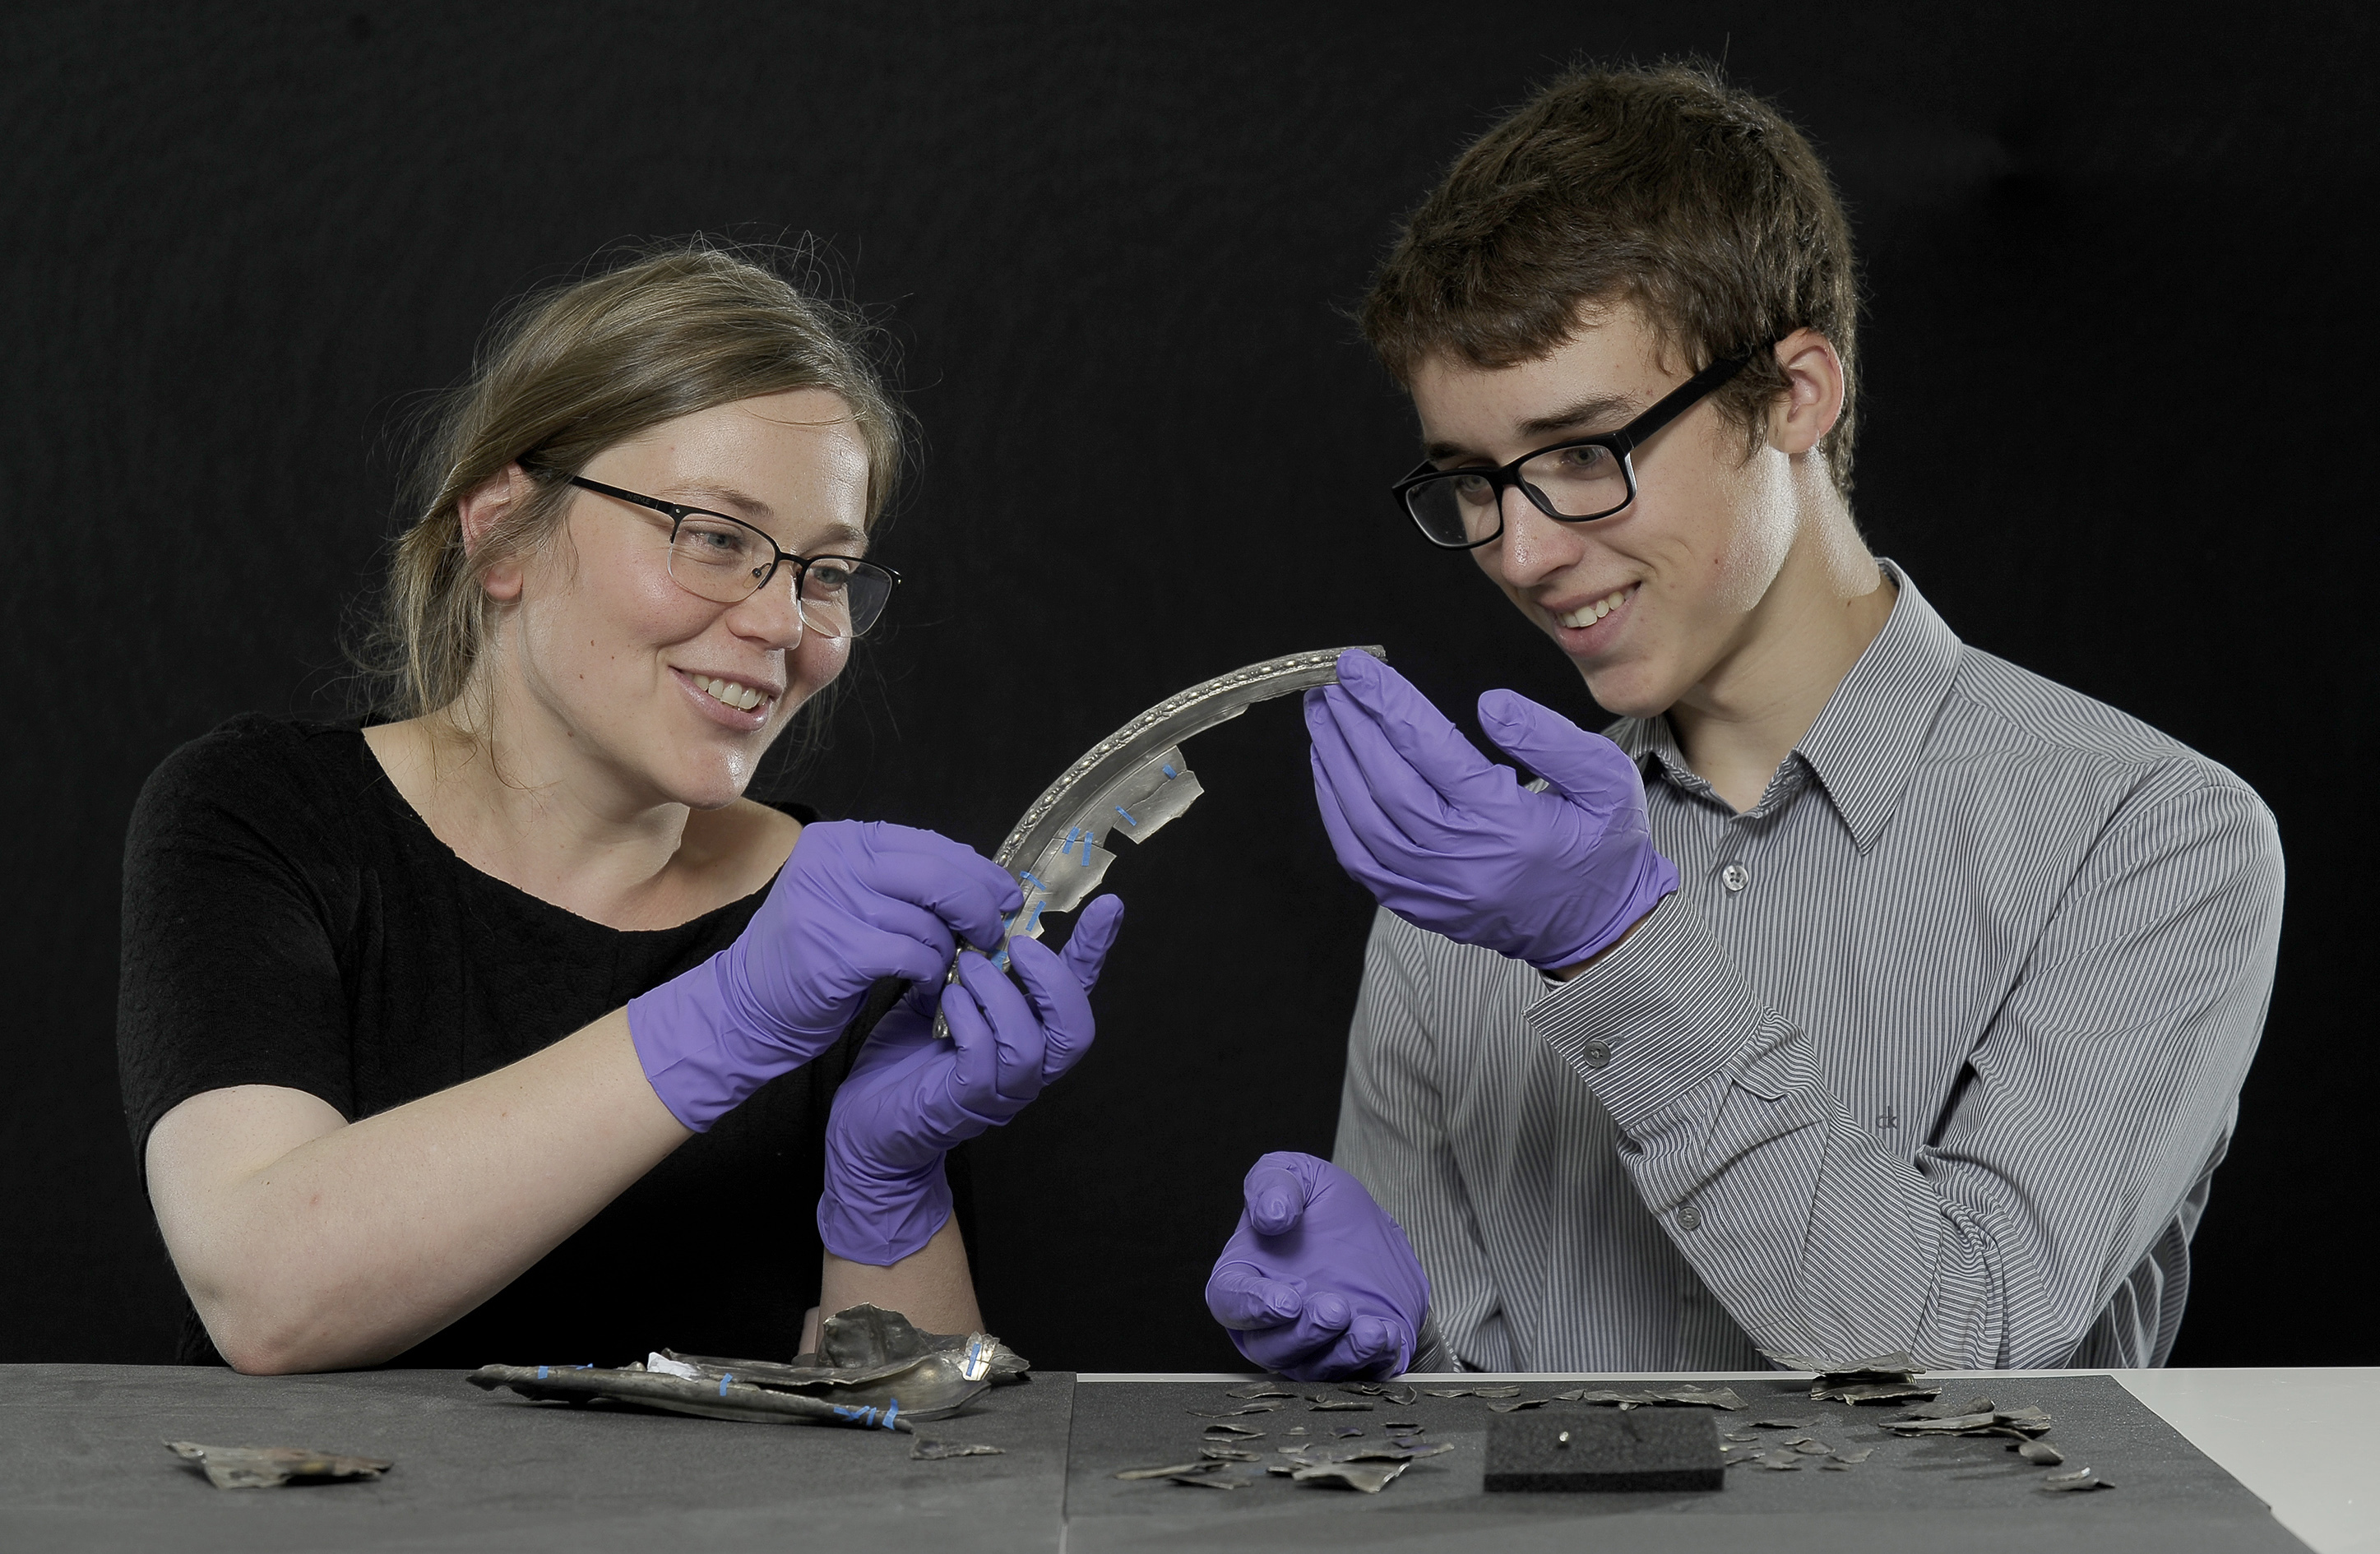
[(82, 1468), (1924, 1497)]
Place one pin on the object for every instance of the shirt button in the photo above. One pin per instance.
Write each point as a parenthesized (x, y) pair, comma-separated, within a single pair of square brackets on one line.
[(1595, 1054), (1690, 1218), (1734, 877)]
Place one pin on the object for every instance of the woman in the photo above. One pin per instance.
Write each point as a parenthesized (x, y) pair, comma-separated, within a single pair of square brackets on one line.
[(512, 1031)]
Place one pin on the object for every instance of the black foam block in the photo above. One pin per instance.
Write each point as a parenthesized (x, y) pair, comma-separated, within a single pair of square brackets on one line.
[(1605, 1451)]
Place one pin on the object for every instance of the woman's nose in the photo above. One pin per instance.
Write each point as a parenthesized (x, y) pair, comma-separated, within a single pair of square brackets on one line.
[(772, 614)]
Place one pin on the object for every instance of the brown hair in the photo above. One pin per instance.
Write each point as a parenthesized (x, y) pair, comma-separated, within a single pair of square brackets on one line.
[(1662, 187), (567, 373)]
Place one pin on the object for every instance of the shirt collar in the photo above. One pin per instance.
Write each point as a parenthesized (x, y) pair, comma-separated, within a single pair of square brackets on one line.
[(1864, 749)]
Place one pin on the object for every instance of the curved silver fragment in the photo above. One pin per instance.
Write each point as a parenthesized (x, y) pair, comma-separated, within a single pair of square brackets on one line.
[(1132, 783)]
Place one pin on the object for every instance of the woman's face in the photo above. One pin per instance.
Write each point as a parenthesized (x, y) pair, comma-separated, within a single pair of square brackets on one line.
[(609, 667)]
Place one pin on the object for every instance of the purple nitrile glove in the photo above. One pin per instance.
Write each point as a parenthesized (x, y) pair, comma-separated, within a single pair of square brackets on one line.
[(854, 903), (1319, 1282), (909, 1098), (1452, 842)]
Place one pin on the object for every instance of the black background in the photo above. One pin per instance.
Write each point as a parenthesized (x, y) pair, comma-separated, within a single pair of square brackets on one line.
[(2116, 399)]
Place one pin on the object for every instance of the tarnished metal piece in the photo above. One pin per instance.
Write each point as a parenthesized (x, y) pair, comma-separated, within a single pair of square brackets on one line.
[(270, 1467), (2075, 1478), (1132, 783), (1685, 1394), (938, 1450)]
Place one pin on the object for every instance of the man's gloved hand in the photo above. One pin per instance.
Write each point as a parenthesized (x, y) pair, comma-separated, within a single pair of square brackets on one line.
[(910, 1098), (1452, 842), (854, 903), (1319, 1282)]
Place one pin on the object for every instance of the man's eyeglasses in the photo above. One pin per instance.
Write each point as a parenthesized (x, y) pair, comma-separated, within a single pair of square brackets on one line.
[(727, 561), (1577, 481)]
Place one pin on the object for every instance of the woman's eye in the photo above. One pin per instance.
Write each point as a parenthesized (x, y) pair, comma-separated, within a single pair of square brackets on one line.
[(1474, 488)]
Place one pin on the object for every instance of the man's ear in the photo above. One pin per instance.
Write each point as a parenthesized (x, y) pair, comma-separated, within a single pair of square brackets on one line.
[(1816, 389), (482, 510)]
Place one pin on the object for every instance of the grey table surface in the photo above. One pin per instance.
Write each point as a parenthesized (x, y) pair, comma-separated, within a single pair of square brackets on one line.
[(82, 1467)]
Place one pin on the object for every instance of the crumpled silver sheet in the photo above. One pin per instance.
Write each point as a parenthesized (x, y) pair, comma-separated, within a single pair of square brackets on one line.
[(876, 1370)]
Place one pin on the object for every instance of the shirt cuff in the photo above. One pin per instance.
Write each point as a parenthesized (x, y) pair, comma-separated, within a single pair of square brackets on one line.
[(1660, 1016)]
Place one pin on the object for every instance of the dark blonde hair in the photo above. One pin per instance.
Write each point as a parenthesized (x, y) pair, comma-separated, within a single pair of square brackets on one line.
[(670, 330), (1662, 187)]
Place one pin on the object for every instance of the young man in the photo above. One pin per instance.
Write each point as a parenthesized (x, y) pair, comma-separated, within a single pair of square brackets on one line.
[(1861, 991)]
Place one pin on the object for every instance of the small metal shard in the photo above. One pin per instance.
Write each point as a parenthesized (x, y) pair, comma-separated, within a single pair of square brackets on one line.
[(1403, 1397), (1511, 1390), (1235, 1413), (936, 1451), (271, 1467), (2075, 1478), (1261, 1389), (1337, 1405), (1945, 1409), (2039, 1452), (1742, 1435), (1781, 1461), (1346, 1430), (1361, 1388), (1634, 1397), (1813, 1448), (1368, 1477), (1235, 1432), (1168, 1470), (1783, 1424), (2029, 1418), (1402, 1426), (1847, 1456), (1519, 1404), (1230, 1453), (1204, 1480), (1873, 1391)]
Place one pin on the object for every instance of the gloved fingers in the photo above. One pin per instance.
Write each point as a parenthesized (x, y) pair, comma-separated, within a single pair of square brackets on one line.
[(1312, 1347), (1419, 812), (1095, 934), (1412, 726), (1391, 825), (1357, 856), (1017, 1048), (1059, 1001), (885, 839), (1377, 1340), (1243, 1299), (1585, 767), (972, 904), (918, 950), (1276, 1196)]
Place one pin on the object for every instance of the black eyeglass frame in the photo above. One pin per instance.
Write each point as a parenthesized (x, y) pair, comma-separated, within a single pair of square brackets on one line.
[(1622, 443), (678, 513)]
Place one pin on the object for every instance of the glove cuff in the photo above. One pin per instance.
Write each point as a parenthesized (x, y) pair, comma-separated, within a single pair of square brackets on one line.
[(688, 1041), (880, 1221), (1655, 877)]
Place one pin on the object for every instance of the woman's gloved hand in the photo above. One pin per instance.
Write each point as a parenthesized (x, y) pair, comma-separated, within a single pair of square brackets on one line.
[(909, 1098), (1318, 1281), (854, 903), (1452, 842)]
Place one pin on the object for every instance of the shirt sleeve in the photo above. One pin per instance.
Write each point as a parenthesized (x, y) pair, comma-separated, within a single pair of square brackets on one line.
[(1393, 1138), (2087, 1113), (228, 973)]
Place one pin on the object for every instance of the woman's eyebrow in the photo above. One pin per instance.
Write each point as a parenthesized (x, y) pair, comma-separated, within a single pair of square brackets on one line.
[(737, 503)]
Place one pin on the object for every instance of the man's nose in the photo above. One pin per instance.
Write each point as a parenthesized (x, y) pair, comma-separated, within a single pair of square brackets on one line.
[(1534, 547)]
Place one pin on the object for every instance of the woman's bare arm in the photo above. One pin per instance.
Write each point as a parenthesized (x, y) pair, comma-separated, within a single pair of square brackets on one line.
[(932, 1286), (309, 1243)]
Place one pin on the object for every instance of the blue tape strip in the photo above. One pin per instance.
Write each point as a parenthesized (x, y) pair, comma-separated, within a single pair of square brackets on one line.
[(1169, 772), (540, 1373), (1029, 880), (1127, 816), (724, 1380), (892, 1414)]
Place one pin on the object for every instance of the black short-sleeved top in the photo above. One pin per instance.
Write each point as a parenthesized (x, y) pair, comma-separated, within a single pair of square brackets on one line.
[(289, 919)]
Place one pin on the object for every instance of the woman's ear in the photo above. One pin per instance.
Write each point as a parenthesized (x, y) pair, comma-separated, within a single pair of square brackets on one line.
[(1816, 388), (482, 510)]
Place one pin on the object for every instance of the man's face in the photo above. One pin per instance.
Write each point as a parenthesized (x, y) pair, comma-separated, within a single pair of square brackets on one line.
[(1670, 593)]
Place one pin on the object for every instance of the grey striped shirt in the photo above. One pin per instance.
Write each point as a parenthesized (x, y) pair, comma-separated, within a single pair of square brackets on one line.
[(1937, 1048)]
